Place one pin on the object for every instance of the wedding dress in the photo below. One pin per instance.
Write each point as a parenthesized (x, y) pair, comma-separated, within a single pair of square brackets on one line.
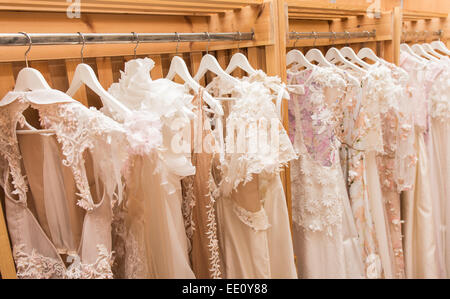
[(254, 232), (154, 239), (80, 163), (325, 239), (420, 236)]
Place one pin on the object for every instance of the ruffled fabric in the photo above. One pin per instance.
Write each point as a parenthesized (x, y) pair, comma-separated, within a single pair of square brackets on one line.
[(143, 132)]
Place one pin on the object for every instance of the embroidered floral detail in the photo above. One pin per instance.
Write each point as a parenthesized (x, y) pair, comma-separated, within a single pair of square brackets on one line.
[(373, 266), (135, 265), (318, 196), (187, 206), (9, 147), (255, 139), (36, 266), (258, 221), (213, 245), (143, 132), (76, 131)]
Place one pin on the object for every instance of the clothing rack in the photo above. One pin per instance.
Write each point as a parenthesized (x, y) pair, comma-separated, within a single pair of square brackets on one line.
[(422, 34), (332, 35), (20, 39)]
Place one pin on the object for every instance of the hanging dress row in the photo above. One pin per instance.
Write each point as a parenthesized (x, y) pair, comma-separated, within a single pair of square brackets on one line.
[(366, 198), (149, 186)]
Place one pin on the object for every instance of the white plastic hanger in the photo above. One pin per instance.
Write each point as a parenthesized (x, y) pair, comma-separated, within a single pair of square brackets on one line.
[(239, 60), (29, 78), (406, 48), (369, 54), (430, 50), (297, 57), (84, 74), (417, 48), (334, 55), (210, 63), (178, 67), (440, 46), (316, 55), (348, 52)]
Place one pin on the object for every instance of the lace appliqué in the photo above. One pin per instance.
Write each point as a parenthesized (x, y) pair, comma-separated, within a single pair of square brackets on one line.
[(76, 131), (213, 241), (258, 221), (36, 266), (9, 147), (187, 205), (255, 139)]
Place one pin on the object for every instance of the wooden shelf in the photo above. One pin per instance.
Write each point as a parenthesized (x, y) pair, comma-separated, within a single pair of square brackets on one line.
[(150, 7)]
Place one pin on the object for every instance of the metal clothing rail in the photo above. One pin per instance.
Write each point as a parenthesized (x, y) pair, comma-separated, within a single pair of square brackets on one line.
[(423, 34), (20, 39), (331, 35)]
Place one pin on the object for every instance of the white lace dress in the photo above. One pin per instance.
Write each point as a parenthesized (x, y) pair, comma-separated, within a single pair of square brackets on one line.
[(253, 222), (81, 162), (154, 242), (324, 228)]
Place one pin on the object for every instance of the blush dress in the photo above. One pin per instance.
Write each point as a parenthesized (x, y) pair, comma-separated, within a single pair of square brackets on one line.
[(324, 231)]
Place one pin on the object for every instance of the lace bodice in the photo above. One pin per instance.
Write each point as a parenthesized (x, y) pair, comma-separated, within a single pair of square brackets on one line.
[(439, 90), (319, 112), (380, 95), (256, 141), (315, 112)]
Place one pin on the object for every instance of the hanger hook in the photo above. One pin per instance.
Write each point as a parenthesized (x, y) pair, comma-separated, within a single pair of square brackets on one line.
[(82, 47), (136, 38), (239, 40), (177, 35), (333, 40), (296, 38), (209, 41), (347, 38), (315, 38), (30, 43)]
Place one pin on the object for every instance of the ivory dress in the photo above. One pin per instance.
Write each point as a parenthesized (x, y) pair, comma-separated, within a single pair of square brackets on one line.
[(438, 86), (421, 238), (393, 163), (154, 236), (354, 164), (325, 240), (440, 153), (253, 223), (79, 164)]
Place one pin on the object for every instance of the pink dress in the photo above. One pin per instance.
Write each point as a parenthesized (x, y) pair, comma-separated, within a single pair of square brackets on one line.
[(325, 235)]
